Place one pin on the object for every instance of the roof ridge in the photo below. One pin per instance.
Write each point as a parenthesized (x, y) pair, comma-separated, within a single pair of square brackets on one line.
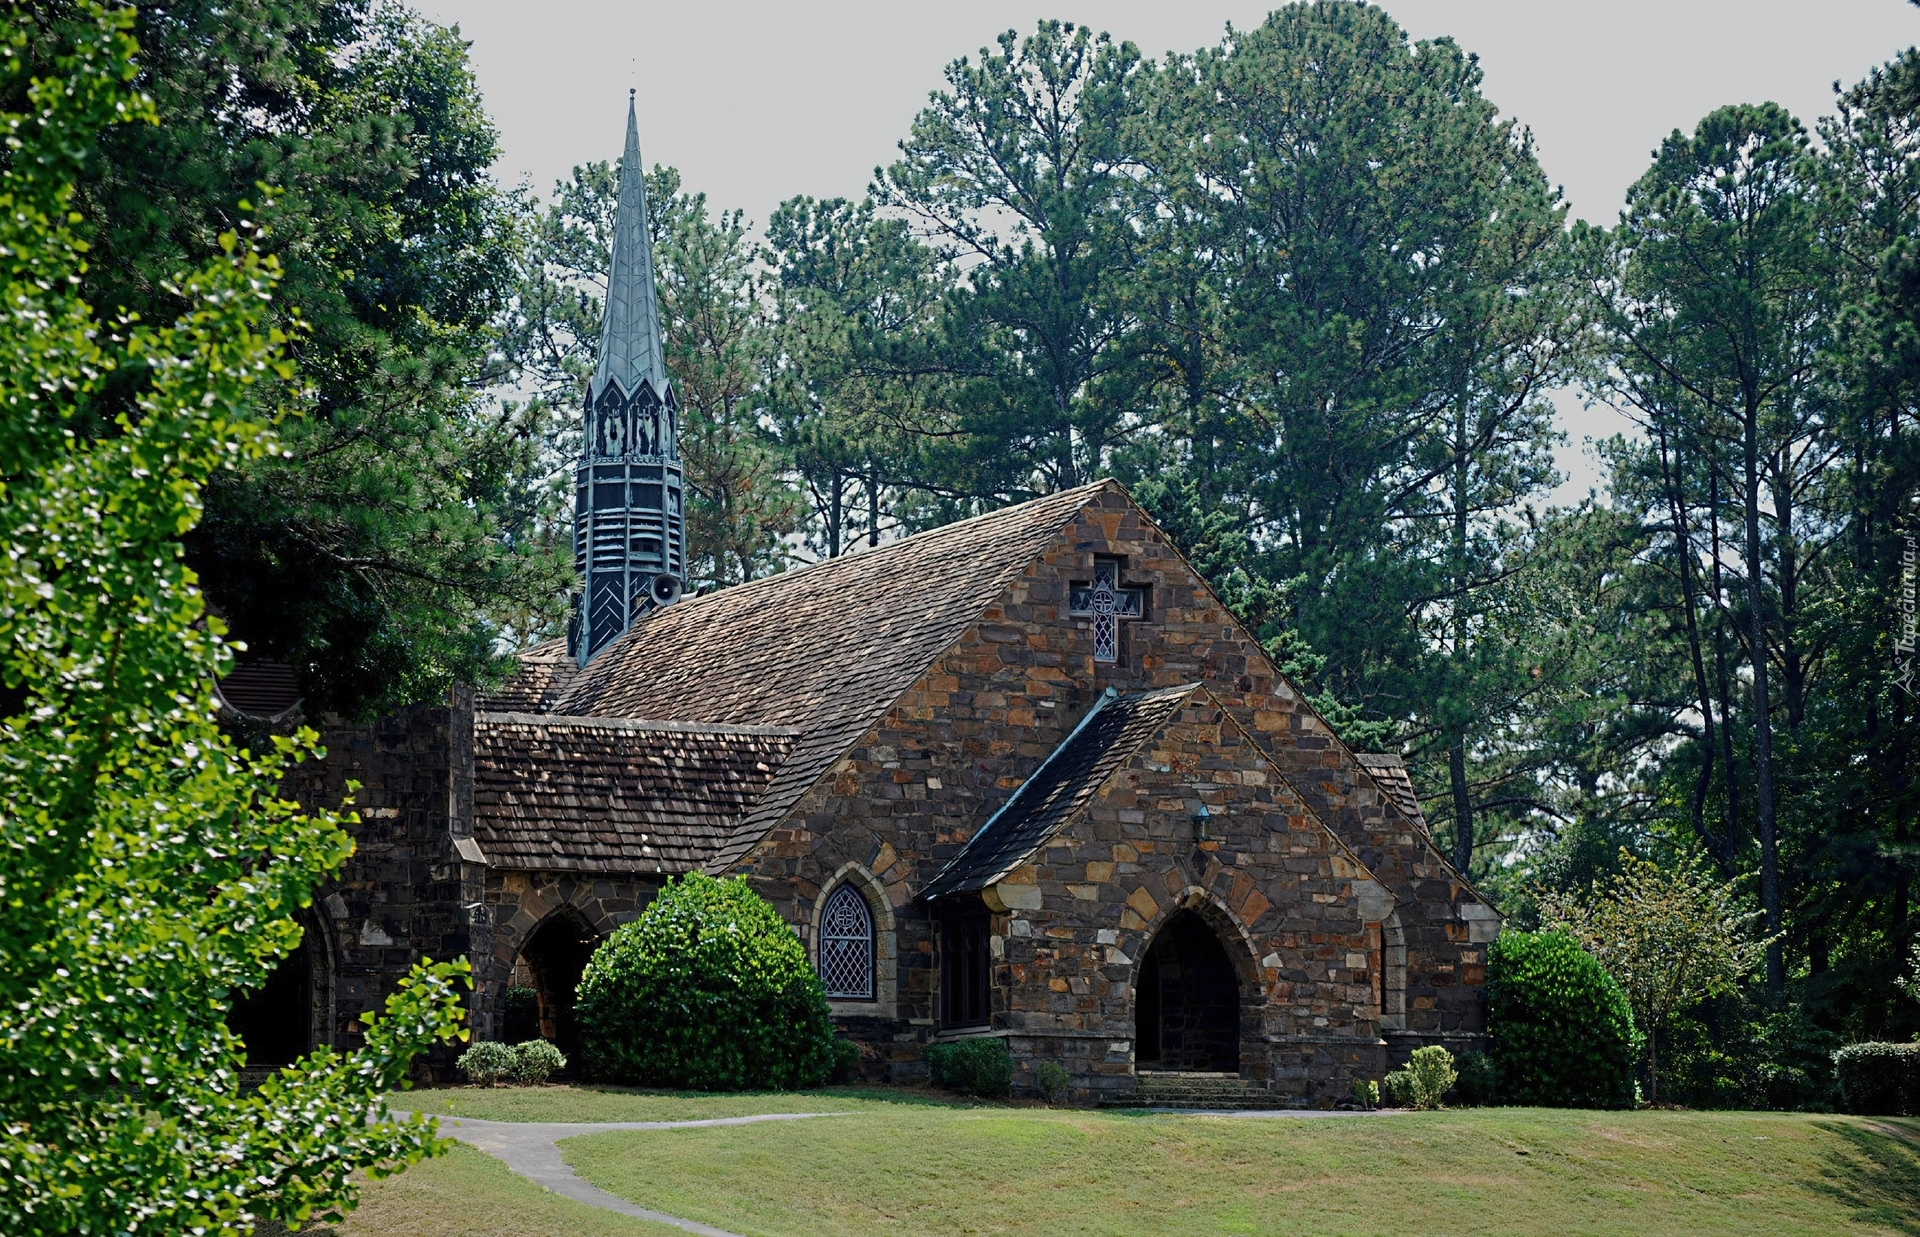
[(631, 723), (925, 535)]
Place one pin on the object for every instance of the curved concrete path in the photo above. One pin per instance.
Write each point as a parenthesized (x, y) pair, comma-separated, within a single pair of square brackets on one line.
[(529, 1149)]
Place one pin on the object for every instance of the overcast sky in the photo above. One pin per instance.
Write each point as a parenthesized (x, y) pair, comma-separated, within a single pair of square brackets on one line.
[(756, 101)]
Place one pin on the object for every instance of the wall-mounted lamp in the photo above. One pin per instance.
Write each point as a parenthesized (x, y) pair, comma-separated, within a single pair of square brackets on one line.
[(1203, 825)]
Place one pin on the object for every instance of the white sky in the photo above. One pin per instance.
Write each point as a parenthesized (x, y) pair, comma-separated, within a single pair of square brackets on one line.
[(756, 100)]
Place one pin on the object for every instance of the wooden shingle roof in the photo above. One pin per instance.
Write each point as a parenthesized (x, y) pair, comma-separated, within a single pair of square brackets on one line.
[(824, 649), (1389, 773), (545, 672), (1110, 732), (596, 794)]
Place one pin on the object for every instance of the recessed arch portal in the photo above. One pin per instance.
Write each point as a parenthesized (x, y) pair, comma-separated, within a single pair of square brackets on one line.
[(291, 1013), (1187, 1000), (555, 955)]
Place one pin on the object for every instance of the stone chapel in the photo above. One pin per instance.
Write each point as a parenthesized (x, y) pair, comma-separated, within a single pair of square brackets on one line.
[(1022, 776)]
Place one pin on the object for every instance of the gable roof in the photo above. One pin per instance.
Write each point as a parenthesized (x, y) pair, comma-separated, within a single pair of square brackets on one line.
[(1066, 781), (595, 794), (825, 649), (1113, 729), (545, 672)]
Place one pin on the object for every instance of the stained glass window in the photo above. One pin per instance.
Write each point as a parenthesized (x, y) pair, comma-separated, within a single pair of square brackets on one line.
[(1106, 603), (846, 946)]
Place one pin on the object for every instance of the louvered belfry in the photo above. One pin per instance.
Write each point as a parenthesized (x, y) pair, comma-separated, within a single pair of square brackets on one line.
[(629, 533)]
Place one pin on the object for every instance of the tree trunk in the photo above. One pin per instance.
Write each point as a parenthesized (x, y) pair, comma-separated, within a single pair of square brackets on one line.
[(1653, 1065), (1674, 479), (1728, 778), (1762, 722), (873, 510), (1462, 807)]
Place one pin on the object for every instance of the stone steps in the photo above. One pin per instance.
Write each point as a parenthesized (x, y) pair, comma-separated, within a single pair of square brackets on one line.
[(1198, 1091)]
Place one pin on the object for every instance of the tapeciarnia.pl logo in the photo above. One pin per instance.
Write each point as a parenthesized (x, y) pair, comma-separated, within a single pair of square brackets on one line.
[(1906, 667)]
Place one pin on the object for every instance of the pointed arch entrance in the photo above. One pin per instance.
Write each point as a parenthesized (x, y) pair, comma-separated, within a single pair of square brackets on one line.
[(554, 958), (1187, 1003), (290, 1014)]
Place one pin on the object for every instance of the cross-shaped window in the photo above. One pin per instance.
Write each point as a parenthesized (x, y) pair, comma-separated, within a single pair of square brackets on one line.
[(1106, 603)]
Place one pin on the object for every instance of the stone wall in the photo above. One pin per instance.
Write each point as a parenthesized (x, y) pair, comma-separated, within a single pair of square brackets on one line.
[(408, 892), (910, 792)]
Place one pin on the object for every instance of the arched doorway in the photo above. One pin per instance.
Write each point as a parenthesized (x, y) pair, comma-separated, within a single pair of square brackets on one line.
[(1187, 1005), (555, 955), (285, 1018)]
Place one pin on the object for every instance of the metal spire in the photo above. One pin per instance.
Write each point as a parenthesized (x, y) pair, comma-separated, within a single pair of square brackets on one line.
[(629, 529), (630, 328)]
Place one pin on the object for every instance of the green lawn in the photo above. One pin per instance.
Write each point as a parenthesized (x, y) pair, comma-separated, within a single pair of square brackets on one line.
[(905, 1164), (468, 1193)]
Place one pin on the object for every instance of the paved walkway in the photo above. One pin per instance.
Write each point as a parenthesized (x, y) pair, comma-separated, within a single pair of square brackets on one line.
[(528, 1148)]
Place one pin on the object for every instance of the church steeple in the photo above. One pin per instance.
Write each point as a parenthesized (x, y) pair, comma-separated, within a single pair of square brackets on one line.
[(629, 534)]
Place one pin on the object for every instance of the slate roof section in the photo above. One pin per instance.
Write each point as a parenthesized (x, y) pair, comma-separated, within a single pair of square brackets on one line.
[(594, 794), (545, 672), (1389, 773), (1070, 775), (824, 649)]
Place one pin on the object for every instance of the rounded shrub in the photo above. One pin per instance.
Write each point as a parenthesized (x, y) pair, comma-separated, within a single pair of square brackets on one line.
[(536, 1060), (710, 990), (487, 1063), (1563, 1035), (979, 1065)]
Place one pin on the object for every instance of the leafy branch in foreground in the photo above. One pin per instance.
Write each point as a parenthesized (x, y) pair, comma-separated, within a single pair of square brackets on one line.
[(150, 867)]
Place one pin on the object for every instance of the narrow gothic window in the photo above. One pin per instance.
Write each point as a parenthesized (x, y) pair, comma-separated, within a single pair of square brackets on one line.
[(1107, 604), (846, 946), (965, 974)]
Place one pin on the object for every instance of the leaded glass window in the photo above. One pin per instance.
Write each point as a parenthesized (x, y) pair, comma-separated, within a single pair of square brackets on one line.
[(1106, 602), (846, 946)]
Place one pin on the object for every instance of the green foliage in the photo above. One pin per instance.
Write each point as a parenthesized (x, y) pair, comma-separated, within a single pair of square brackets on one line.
[(487, 1063), (536, 1060), (151, 868), (1366, 1093), (846, 1062), (1563, 1033), (1429, 1076), (1479, 1081), (1052, 1079), (708, 989), (978, 1065), (1670, 938), (1398, 1086), (384, 543), (1881, 1080)]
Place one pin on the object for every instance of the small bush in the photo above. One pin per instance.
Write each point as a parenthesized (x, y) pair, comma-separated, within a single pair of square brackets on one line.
[(1479, 1080), (709, 989), (1366, 1093), (1432, 1074), (846, 1061), (1879, 1080), (980, 1065), (1399, 1089), (487, 1063), (536, 1061), (1052, 1079), (1563, 1035)]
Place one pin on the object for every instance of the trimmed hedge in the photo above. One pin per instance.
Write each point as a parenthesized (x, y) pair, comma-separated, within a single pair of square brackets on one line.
[(1563, 1034), (979, 1066), (1879, 1080), (710, 990)]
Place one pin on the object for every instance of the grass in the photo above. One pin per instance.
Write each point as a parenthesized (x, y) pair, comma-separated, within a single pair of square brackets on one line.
[(904, 1163), (468, 1193)]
